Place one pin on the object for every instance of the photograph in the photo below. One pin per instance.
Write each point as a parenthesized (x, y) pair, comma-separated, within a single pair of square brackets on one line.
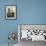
[(10, 12)]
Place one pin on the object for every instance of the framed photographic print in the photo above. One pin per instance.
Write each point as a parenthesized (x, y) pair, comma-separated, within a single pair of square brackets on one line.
[(10, 12)]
